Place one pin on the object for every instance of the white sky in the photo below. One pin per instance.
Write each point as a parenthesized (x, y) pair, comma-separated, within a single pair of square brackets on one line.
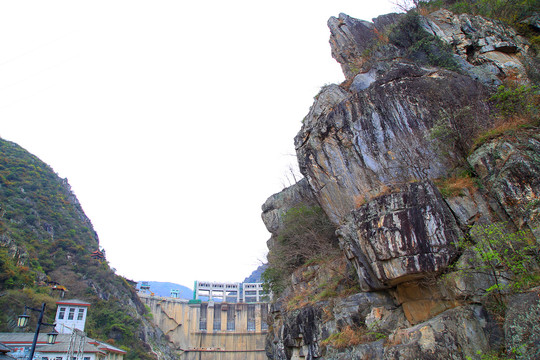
[(172, 120)]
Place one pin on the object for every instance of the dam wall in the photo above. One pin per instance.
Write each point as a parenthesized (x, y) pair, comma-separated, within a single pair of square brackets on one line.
[(212, 330)]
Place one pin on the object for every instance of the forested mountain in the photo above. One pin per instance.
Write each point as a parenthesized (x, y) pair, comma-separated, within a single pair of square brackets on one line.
[(47, 240)]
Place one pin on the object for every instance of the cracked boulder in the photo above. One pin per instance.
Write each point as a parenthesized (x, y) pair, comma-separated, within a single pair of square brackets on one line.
[(401, 236)]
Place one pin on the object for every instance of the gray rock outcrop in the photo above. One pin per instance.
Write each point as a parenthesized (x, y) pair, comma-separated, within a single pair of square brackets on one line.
[(380, 137), (521, 327), (509, 169), (459, 333), (493, 49)]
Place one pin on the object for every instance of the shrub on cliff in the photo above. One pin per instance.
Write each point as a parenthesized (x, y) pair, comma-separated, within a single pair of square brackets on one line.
[(421, 46), (518, 107), (511, 259), (307, 234), (509, 11), (518, 101)]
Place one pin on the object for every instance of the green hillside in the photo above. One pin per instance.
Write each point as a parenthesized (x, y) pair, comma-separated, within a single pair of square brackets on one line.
[(46, 239)]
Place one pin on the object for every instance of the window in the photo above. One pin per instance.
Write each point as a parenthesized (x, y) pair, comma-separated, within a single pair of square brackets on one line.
[(44, 358), (230, 318), (61, 313), (71, 314), (86, 358), (251, 318), (80, 314), (58, 358), (217, 317), (202, 317)]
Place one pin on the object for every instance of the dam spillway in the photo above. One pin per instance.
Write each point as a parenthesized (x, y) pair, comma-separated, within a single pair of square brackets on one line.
[(210, 330)]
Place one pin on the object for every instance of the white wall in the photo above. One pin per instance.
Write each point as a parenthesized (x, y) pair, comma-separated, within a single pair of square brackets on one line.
[(70, 317)]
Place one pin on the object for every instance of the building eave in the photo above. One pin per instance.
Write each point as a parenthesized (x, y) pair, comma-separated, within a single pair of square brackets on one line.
[(74, 302)]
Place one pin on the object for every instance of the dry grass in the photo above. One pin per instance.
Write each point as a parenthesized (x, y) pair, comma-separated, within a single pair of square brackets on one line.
[(328, 280), (348, 337), (347, 83), (298, 300), (328, 313), (382, 38), (424, 11), (362, 199), (518, 107), (503, 127), (454, 186)]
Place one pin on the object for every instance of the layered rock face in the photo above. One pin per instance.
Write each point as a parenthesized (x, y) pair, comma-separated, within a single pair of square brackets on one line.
[(400, 236), (371, 149), (380, 137)]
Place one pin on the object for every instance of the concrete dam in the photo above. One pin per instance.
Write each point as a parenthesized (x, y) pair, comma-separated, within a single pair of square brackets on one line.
[(220, 326)]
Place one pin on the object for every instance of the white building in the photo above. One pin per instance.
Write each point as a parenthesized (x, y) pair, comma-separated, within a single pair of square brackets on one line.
[(70, 343), (230, 292), (216, 291), (254, 292), (70, 314), (91, 349)]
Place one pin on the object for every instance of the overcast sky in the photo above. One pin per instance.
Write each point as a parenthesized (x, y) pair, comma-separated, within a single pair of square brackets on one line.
[(172, 120)]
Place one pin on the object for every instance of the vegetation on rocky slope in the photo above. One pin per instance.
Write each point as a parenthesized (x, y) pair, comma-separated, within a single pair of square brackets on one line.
[(420, 46), (307, 236), (46, 239), (513, 12)]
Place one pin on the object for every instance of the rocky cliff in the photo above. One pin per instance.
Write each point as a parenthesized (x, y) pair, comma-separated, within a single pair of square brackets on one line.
[(431, 183)]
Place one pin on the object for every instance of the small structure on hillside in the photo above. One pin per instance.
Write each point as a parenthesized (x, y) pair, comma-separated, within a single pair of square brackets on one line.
[(98, 255), (132, 283), (71, 314), (57, 289), (145, 287)]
